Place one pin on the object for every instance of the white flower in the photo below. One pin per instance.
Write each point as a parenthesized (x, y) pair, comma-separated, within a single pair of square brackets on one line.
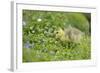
[(39, 19), (33, 31), (31, 28)]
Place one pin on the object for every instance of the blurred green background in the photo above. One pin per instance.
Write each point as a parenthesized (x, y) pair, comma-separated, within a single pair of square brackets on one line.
[(39, 42)]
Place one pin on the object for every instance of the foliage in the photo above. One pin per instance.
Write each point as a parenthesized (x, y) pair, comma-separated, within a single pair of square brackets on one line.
[(39, 40)]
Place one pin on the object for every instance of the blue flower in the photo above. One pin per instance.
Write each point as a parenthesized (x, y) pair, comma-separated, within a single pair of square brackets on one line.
[(27, 45)]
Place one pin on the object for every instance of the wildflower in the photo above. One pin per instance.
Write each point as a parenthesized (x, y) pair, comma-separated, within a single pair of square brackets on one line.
[(39, 19), (31, 28), (27, 45), (33, 31)]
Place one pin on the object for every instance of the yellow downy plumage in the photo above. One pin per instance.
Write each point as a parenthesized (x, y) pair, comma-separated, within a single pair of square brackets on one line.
[(69, 34)]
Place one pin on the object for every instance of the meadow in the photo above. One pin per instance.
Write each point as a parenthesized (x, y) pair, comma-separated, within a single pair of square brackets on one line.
[(54, 36)]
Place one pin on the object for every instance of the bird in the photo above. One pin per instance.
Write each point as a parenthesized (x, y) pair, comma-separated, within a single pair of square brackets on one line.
[(69, 34)]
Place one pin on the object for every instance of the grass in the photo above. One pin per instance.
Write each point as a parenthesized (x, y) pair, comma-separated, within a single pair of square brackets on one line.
[(40, 43), (57, 52)]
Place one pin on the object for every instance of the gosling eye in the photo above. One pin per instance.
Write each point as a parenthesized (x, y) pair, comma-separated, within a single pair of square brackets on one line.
[(56, 32)]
